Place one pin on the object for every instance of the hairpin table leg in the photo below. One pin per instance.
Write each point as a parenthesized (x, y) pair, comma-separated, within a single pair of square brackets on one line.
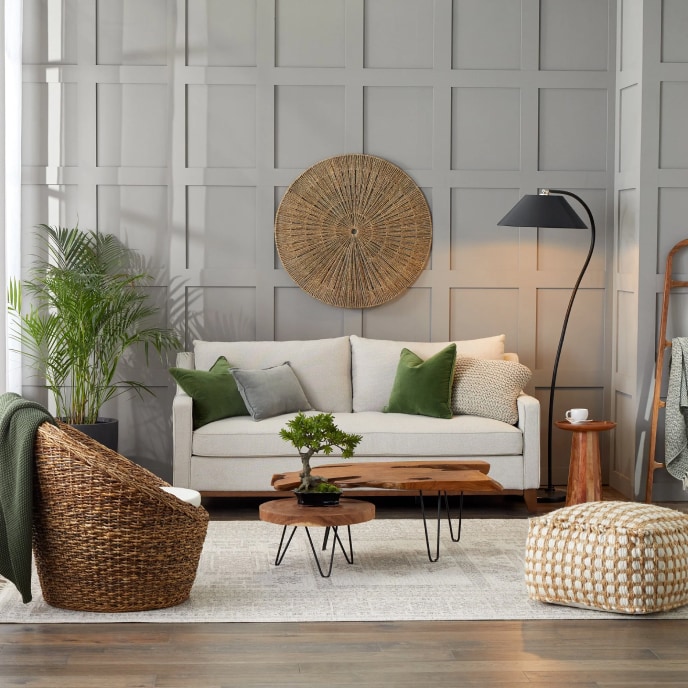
[(336, 540), (449, 517), (440, 497), (281, 552)]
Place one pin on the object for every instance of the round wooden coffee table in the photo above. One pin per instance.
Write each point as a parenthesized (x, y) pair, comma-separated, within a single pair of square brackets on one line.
[(288, 513)]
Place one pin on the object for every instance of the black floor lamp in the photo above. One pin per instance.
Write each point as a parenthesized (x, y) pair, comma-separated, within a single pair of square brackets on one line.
[(545, 210)]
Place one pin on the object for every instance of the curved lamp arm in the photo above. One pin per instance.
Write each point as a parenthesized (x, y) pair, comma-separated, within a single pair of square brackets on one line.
[(550, 487)]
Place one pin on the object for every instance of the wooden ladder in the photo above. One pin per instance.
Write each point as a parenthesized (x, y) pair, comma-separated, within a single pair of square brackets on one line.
[(662, 346)]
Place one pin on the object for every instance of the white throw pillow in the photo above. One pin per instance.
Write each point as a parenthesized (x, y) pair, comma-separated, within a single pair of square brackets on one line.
[(488, 388), (374, 364)]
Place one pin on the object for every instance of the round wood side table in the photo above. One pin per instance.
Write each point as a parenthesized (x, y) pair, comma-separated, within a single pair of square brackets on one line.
[(287, 512), (585, 472)]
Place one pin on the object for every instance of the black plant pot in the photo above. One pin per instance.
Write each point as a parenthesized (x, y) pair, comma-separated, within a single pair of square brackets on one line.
[(105, 431), (317, 498)]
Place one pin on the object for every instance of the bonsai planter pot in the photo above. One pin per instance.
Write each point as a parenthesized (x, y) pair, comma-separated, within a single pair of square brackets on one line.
[(317, 498)]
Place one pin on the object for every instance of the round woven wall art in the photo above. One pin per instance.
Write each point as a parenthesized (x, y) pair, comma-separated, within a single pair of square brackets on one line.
[(353, 231)]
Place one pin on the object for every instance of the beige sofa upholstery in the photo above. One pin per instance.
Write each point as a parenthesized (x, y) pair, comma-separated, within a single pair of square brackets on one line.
[(350, 377)]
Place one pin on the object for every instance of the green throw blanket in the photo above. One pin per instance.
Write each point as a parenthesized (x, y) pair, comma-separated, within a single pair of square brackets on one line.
[(19, 420), (676, 413)]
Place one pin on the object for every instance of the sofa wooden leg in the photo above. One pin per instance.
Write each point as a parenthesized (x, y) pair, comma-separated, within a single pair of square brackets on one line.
[(530, 498)]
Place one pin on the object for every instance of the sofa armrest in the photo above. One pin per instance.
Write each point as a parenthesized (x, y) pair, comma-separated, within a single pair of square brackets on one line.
[(185, 359), (182, 428), (529, 424)]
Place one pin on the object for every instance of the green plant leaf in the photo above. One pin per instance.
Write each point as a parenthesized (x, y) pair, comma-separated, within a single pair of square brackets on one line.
[(81, 308), (313, 434)]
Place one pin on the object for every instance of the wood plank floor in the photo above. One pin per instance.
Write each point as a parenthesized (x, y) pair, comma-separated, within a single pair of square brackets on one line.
[(601, 653), (628, 653)]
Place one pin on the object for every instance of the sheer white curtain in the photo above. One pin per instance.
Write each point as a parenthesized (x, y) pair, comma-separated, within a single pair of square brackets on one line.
[(10, 173)]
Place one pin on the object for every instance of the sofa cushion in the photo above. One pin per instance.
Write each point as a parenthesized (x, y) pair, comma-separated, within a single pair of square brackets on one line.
[(423, 387), (392, 435), (323, 366), (214, 392), (488, 388), (374, 364), (270, 391)]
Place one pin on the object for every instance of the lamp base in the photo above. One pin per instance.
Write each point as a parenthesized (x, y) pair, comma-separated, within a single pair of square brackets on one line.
[(547, 495)]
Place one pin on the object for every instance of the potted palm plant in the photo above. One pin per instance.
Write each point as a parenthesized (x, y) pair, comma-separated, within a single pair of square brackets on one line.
[(78, 312), (310, 435)]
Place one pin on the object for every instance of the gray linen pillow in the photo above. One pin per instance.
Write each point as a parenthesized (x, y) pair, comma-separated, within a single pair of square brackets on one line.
[(488, 388), (271, 391)]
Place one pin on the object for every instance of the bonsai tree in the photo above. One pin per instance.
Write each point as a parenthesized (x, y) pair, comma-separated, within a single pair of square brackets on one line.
[(313, 434), (87, 308)]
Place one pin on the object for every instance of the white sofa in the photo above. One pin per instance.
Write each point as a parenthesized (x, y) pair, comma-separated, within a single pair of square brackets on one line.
[(350, 377)]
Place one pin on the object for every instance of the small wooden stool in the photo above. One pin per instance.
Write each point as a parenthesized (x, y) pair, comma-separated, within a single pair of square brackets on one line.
[(287, 512)]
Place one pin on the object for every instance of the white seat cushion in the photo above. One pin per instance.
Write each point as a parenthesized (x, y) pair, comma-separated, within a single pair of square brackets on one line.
[(184, 493), (384, 434)]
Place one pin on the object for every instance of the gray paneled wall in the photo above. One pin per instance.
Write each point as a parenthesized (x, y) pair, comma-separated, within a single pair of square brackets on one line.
[(178, 125), (651, 207)]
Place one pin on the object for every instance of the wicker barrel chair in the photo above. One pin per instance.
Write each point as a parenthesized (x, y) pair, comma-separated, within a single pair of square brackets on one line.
[(106, 537)]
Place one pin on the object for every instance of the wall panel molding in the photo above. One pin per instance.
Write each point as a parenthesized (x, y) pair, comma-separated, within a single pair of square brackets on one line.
[(179, 125)]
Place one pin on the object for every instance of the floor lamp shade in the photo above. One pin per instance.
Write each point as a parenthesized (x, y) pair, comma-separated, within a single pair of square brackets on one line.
[(547, 210), (543, 210)]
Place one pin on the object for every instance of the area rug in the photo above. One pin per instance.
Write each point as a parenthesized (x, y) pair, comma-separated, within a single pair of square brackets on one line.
[(391, 579)]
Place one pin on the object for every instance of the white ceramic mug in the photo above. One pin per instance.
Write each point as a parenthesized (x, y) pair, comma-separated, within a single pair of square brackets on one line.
[(577, 415)]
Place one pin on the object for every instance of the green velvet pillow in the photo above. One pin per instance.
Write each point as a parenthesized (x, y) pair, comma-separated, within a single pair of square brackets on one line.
[(423, 388), (214, 392)]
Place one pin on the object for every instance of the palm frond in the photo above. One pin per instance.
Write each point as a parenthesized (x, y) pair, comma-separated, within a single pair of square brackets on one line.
[(86, 309)]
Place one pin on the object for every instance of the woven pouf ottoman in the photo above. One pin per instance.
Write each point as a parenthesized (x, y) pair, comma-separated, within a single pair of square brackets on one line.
[(613, 556)]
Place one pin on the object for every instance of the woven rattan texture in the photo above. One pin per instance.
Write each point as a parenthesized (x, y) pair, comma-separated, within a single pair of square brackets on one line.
[(353, 231), (106, 537), (616, 556)]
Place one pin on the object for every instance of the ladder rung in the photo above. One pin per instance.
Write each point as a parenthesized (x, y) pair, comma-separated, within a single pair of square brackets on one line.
[(662, 404)]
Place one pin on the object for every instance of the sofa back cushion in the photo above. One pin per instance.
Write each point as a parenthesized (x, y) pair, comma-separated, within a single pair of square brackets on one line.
[(322, 366), (374, 364)]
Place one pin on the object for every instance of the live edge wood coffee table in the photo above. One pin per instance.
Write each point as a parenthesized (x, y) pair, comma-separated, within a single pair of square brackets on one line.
[(441, 477), (287, 512)]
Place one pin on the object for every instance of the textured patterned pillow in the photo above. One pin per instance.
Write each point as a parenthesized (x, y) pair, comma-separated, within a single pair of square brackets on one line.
[(488, 388)]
